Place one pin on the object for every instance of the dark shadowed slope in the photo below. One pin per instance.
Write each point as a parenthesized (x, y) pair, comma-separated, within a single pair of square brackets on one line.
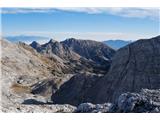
[(79, 89), (92, 50)]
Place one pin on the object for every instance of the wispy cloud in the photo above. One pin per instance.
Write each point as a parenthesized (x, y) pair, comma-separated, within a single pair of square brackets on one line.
[(152, 13), (136, 12), (125, 12), (26, 10)]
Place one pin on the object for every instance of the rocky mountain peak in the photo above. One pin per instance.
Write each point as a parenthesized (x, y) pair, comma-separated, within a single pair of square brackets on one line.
[(71, 39), (52, 41), (34, 44)]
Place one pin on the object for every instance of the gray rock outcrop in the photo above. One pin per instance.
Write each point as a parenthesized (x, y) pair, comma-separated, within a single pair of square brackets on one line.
[(94, 108), (147, 101)]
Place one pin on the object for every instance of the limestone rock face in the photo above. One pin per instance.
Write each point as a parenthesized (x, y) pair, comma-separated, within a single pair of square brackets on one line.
[(134, 67)]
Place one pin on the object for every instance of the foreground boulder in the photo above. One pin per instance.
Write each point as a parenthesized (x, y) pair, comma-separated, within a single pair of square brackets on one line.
[(94, 108), (145, 101)]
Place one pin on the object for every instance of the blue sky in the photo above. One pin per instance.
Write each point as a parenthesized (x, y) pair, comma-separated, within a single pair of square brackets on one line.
[(85, 23)]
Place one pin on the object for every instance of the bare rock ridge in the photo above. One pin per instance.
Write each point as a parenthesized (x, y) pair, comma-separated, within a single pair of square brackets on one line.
[(78, 55), (134, 67)]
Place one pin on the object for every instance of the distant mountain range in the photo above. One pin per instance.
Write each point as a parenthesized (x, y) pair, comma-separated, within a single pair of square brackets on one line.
[(83, 54), (116, 44), (25, 38)]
